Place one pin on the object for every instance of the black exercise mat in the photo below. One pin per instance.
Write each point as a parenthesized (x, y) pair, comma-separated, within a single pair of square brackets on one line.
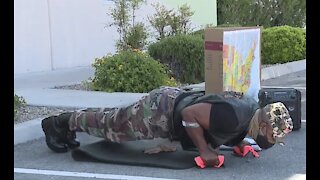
[(131, 153)]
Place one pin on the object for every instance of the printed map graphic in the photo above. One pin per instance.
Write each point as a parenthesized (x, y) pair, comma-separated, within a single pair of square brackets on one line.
[(241, 61)]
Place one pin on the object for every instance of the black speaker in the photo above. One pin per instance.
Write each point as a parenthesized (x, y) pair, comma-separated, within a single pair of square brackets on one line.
[(290, 97)]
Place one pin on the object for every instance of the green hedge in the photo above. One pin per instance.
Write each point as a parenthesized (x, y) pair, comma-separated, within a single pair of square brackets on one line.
[(129, 71), (279, 44), (200, 32), (183, 54), (283, 44)]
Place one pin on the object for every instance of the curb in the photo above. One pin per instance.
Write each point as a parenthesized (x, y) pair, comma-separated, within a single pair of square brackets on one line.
[(26, 131), (282, 69), (270, 72), (32, 130)]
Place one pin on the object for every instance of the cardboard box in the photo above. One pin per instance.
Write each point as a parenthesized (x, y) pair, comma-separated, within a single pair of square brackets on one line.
[(233, 60)]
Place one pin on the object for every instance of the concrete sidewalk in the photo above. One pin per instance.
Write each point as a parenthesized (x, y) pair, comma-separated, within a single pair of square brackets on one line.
[(37, 89)]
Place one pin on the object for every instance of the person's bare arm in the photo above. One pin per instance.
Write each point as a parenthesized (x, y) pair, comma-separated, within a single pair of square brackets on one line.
[(200, 113)]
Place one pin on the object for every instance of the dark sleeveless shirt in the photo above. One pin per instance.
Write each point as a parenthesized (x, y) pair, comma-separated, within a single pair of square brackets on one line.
[(229, 118)]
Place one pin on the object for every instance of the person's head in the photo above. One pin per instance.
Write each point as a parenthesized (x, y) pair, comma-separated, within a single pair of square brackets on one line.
[(273, 122)]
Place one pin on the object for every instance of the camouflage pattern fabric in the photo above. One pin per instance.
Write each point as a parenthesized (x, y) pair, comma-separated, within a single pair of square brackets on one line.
[(147, 118)]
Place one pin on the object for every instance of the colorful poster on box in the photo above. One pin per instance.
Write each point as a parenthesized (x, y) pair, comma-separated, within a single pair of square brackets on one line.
[(241, 61)]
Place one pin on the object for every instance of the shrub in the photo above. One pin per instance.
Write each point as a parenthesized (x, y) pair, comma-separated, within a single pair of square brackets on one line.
[(171, 22), (200, 32), (132, 34), (283, 44), (279, 44), (18, 102), (266, 13), (129, 71), (184, 56), (137, 36)]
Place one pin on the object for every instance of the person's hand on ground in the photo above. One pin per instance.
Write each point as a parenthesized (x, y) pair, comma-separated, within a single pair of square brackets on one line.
[(161, 148), (153, 150), (209, 157), (243, 148), (242, 144)]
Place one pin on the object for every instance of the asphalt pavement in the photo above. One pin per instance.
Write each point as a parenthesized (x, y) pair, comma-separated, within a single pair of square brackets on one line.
[(33, 160)]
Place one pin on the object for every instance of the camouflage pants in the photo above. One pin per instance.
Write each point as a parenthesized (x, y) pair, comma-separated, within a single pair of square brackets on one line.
[(145, 119)]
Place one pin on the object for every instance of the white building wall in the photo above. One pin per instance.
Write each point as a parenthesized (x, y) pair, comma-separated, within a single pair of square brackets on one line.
[(31, 36), (55, 34), (78, 32)]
